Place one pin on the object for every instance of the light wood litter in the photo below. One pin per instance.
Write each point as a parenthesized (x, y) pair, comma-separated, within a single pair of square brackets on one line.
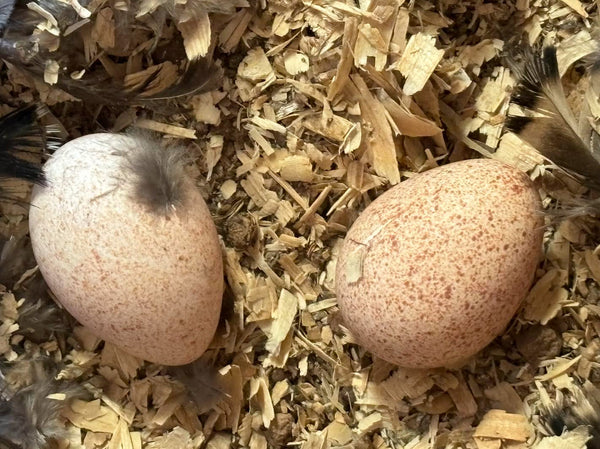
[(324, 104)]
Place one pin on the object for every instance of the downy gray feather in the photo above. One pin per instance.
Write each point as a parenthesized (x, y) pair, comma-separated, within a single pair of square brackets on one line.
[(203, 382), (29, 418), (157, 172)]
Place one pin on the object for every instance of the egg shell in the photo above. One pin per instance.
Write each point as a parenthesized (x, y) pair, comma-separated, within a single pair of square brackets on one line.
[(434, 269), (149, 283)]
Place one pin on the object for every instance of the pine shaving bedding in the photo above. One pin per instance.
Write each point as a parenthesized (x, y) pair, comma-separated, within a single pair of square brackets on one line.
[(322, 106)]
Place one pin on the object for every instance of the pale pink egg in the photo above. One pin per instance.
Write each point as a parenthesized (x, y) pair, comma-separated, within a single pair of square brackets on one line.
[(125, 241), (434, 269)]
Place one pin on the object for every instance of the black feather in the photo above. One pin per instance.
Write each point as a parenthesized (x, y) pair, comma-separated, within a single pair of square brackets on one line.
[(549, 124), (517, 124), (20, 133), (22, 373), (538, 77), (158, 173), (39, 316), (6, 444), (202, 75), (556, 421)]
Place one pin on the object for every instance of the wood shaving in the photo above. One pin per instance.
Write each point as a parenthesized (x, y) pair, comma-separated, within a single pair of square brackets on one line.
[(321, 108)]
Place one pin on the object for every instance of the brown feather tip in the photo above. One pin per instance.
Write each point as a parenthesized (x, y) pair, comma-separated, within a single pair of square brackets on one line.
[(203, 381), (578, 407), (548, 123), (29, 418), (158, 173)]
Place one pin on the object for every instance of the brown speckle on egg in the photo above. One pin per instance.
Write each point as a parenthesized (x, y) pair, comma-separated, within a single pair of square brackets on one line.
[(434, 269)]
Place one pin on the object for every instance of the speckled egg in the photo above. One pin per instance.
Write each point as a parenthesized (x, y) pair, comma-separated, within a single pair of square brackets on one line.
[(127, 245), (434, 269)]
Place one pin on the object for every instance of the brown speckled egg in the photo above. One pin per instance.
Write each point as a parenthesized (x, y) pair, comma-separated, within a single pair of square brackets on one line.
[(126, 243), (434, 269)]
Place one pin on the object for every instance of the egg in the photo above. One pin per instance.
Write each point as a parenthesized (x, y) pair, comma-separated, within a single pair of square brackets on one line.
[(434, 269), (127, 245)]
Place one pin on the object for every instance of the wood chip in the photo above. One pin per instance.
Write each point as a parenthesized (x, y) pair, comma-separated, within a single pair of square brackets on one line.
[(576, 6), (501, 425), (546, 297), (462, 397), (196, 35), (284, 317), (164, 128), (418, 61), (92, 416), (381, 150)]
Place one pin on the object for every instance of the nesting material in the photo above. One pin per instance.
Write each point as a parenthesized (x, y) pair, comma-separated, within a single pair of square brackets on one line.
[(329, 85)]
